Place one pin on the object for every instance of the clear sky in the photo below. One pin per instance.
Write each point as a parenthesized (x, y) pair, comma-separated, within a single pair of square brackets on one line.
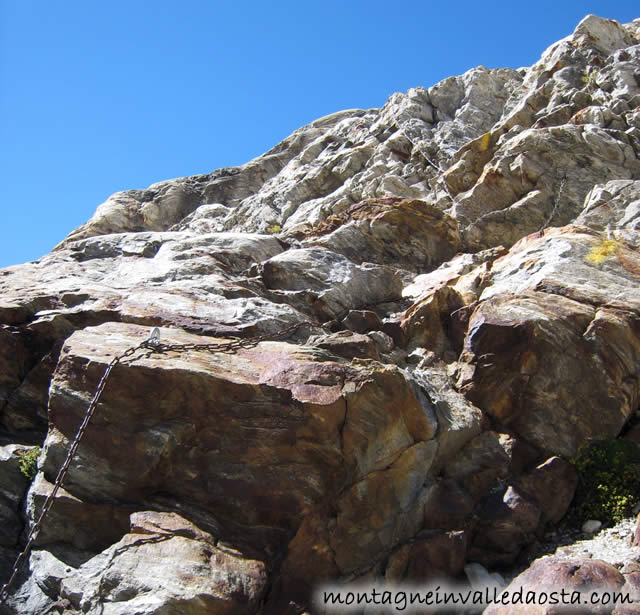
[(97, 97)]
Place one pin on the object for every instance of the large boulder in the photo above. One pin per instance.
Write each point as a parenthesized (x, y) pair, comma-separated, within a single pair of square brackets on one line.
[(166, 564), (551, 348), (258, 439)]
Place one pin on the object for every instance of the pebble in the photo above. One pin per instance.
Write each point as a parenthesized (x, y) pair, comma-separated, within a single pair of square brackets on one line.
[(591, 526)]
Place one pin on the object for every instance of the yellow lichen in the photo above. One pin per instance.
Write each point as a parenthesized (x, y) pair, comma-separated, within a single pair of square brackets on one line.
[(484, 144), (590, 77), (601, 251)]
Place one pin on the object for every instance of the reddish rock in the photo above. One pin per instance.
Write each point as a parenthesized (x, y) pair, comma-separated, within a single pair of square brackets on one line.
[(553, 484), (507, 520), (347, 344), (257, 438), (538, 360), (436, 554), (361, 321), (432, 555), (556, 574), (175, 562), (447, 506), (309, 561), (428, 322)]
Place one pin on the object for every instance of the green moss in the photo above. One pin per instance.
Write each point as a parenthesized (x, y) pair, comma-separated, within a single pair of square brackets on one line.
[(29, 462), (609, 484), (274, 228)]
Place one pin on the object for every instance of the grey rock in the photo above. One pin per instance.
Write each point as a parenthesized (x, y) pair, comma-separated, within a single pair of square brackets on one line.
[(13, 483), (459, 421), (385, 342), (49, 571), (335, 283), (591, 526), (405, 233), (614, 209), (361, 321)]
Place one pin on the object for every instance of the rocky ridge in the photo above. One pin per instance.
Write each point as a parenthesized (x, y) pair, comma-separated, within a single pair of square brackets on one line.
[(467, 257)]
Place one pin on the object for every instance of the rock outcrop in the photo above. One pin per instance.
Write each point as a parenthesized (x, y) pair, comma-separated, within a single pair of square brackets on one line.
[(463, 264)]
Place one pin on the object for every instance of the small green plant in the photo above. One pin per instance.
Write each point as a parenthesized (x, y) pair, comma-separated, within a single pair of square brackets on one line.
[(590, 77), (29, 462), (274, 228), (609, 484)]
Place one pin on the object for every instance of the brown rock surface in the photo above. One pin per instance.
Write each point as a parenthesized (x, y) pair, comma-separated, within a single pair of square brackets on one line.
[(447, 506), (410, 234), (347, 344), (361, 321), (553, 484), (176, 565), (548, 344), (258, 439), (558, 574), (507, 520), (432, 556)]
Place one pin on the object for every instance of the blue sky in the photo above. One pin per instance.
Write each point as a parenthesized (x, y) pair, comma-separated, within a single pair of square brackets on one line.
[(97, 97)]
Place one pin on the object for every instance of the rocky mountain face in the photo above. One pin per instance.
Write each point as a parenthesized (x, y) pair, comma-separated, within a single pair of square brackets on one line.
[(466, 260)]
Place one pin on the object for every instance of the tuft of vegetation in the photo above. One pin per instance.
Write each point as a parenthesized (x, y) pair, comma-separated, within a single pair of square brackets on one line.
[(609, 484), (590, 77), (29, 462), (274, 228)]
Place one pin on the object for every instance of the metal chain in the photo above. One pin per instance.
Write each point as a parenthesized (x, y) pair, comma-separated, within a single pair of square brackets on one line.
[(555, 206), (436, 166), (153, 346)]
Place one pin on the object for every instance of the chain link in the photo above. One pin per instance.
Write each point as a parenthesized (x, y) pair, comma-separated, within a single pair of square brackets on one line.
[(555, 206), (152, 345)]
